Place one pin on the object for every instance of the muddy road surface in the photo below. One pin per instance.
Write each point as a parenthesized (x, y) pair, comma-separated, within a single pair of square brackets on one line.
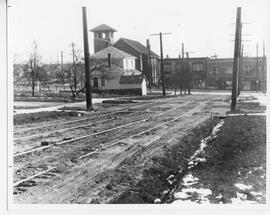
[(107, 155)]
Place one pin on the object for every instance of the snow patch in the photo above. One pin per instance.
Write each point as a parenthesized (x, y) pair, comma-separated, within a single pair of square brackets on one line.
[(195, 159), (200, 191), (189, 180), (243, 186), (181, 195), (157, 201)]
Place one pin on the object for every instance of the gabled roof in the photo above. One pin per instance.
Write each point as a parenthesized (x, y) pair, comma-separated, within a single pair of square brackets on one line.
[(115, 53), (115, 71), (102, 27), (138, 46), (131, 79)]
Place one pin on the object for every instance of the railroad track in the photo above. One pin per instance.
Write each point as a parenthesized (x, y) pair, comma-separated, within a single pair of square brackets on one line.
[(115, 142), (25, 142), (99, 132), (81, 120), (69, 128), (62, 122)]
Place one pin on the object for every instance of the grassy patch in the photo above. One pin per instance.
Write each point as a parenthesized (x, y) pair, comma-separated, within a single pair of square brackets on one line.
[(25, 118)]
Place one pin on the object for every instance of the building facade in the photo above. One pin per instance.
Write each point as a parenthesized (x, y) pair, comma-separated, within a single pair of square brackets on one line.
[(143, 60), (113, 71), (197, 67), (252, 73), (216, 73), (146, 62)]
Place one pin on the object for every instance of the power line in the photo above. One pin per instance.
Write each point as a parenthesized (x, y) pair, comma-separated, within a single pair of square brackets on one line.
[(161, 56)]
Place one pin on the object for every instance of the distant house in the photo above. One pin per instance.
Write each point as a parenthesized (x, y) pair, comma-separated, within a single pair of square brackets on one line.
[(113, 71), (149, 65), (118, 57), (141, 52)]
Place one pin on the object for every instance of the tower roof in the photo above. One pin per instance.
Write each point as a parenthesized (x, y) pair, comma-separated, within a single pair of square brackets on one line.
[(102, 27)]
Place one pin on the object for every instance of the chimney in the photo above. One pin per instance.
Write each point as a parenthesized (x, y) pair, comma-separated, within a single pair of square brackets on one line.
[(109, 60), (147, 43), (167, 56)]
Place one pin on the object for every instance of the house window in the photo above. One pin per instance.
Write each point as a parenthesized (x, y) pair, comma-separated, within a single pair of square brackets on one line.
[(228, 70), (214, 71), (95, 82), (247, 69), (197, 67), (126, 61), (167, 68), (102, 82), (178, 67)]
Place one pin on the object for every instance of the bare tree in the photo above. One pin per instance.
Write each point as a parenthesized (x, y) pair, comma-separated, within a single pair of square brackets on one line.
[(74, 74), (33, 70)]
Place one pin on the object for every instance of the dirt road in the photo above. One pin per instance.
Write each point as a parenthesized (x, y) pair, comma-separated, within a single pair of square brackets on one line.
[(108, 156)]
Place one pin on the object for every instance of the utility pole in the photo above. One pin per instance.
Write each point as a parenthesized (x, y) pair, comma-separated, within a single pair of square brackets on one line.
[(162, 65), (240, 62), (161, 61), (62, 68), (257, 67), (86, 60), (73, 66), (183, 51), (240, 71), (73, 52), (149, 63), (236, 60), (263, 70)]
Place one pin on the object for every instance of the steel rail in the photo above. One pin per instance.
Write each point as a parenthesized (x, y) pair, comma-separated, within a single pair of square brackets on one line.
[(138, 134), (98, 133), (78, 120)]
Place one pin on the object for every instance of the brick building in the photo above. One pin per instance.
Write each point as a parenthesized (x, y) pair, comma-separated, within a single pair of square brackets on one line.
[(196, 65), (217, 73), (252, 74), (141, 52)]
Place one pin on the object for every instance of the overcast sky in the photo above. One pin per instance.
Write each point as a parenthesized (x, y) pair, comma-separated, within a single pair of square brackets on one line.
[(205, 26)]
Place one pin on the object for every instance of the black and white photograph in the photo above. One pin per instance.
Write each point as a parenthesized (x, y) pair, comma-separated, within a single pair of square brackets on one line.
[(134, 104)]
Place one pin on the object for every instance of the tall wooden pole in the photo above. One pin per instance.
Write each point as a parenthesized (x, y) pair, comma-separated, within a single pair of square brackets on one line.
[(240, 62), (263, 70), (62, 68), (86, 60), (73, 66), (183, 51), (240, 71), (149, 64), (162, 65), (236, 60)]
